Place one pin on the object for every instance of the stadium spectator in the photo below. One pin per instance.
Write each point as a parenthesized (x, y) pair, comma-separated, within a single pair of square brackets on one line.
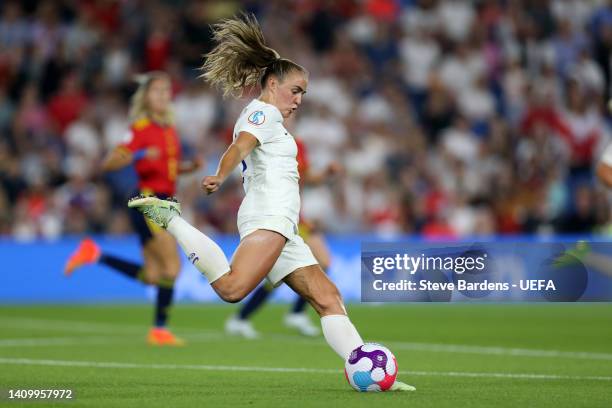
[(434, 107)]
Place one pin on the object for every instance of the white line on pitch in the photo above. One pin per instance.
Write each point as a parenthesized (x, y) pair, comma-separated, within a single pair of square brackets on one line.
[(66, 325), (77, 326), (56, 341), (89, 340), (465, 349), (505, 351), (113, 364), (92, 327)]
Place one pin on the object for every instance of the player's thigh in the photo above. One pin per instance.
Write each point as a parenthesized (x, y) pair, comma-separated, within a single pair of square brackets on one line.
[(319, 249), (315, 286), (252, 261), (167, 253)]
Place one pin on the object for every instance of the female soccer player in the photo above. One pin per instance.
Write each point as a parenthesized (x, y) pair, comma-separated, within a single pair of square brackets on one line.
[(297, 318), (152, 144), (268, 216)]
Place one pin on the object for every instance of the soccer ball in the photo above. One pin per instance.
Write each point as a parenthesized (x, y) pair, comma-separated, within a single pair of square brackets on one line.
[(371, 368)]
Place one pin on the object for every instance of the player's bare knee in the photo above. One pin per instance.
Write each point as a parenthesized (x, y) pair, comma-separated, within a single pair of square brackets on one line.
[(324, 261), (150, 280), (231, 297), (172, 269), (150, 274)]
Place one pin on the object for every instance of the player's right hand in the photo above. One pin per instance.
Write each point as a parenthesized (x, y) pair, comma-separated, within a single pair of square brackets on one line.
[(210, 184)]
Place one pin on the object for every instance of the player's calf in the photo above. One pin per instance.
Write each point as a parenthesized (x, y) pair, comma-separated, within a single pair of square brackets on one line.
[(316, 287)]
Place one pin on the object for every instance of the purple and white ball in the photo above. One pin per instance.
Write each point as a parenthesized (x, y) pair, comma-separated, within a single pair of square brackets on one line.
[(371, 368)]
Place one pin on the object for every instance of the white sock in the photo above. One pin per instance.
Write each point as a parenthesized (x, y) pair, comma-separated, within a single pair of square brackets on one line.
[(340, 334), (201, 251)]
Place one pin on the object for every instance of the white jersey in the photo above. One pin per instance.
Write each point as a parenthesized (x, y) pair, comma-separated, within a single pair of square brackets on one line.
[(270, 174)]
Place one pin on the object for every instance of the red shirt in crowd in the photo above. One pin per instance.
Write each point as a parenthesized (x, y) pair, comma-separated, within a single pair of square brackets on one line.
[(302, 158), (66, 107)]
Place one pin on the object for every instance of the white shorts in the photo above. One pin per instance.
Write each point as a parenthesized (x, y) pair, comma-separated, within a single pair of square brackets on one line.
[(295, 254)]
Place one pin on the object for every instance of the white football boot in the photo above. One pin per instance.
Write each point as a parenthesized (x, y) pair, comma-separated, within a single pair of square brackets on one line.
[(243, 328), (157, 210), (400, 386), (301, 323)]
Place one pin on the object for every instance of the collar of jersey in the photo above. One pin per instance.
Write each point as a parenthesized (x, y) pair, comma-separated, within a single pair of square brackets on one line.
[(269, 104)]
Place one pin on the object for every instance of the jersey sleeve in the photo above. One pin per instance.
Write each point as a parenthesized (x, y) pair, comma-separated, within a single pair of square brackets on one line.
[(606, 157), (132, 140), (260, 123)]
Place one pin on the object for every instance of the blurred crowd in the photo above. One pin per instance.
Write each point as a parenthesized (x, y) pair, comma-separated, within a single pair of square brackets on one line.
[(448, 117)]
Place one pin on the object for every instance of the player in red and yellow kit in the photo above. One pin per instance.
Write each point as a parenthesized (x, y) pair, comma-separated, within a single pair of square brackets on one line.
[(296, 318), (152, 144)]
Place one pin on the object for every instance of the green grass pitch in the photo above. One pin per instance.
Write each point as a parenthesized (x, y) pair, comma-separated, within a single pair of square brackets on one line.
[(457, 355)]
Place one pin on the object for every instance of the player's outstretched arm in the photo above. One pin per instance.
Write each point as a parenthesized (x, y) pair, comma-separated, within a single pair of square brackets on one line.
[(241, 148), (120, 157), (316, 178), (189, 166)]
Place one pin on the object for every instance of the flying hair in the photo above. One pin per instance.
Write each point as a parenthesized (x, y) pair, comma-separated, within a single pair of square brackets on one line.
[(241, 58)]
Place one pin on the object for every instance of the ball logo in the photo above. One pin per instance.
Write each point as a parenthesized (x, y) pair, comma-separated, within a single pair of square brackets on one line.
[(257, 118)]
